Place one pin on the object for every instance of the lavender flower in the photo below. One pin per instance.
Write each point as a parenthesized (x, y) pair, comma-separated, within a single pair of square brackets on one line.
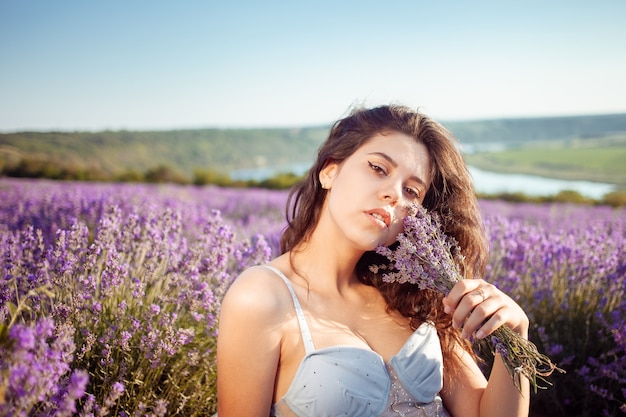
[(36, 361), (428, 258)]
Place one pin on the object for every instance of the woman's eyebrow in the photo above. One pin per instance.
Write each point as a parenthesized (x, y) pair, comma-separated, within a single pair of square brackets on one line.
[(395, 165), (385, 156)]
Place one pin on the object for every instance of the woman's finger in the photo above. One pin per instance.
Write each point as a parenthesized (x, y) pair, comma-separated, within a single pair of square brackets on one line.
[(460, 289)]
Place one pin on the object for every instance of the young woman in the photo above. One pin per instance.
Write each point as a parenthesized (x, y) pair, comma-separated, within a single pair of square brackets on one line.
[(316, 333)]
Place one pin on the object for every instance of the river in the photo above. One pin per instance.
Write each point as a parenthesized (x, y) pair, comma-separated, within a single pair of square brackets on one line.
[(484, 181)]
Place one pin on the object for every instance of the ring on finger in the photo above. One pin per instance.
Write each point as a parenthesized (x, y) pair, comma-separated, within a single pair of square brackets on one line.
[(482, 294)]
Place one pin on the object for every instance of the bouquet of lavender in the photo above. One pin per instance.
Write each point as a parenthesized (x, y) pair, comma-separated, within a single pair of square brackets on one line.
[(428, 258)]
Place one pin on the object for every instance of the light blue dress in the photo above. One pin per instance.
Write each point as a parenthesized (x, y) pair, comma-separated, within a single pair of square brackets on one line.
[(351, 381)]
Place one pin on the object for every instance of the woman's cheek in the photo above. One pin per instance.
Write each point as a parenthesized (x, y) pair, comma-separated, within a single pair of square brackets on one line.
[(394, 230)]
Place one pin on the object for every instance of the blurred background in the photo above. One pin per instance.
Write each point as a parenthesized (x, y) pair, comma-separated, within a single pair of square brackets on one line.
[(246, 90)]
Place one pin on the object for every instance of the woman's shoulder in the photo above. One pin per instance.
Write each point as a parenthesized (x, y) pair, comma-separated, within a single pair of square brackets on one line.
[(259, 290)]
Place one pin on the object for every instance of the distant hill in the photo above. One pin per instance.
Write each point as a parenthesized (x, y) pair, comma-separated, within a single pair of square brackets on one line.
[(516, 131), (183, 150), (227, 149)]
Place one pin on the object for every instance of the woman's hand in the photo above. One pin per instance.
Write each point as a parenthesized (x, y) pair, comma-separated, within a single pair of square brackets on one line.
[(479, 308)]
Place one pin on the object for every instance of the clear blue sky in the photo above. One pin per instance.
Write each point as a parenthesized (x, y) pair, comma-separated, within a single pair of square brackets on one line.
[(139, 64)]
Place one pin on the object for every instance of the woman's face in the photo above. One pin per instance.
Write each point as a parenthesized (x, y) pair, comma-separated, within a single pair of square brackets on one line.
[(370, 191)]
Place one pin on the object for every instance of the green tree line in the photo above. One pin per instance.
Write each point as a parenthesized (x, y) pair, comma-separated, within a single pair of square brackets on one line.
[(56, 170)]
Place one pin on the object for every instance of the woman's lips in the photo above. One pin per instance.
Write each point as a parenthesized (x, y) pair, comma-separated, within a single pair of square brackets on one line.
[(381, 217)]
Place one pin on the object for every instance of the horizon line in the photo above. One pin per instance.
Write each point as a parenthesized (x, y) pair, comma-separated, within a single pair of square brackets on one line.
[(288, 126)]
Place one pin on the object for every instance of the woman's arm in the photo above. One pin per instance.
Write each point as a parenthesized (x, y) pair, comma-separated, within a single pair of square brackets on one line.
[(478, 308), (248, 346)]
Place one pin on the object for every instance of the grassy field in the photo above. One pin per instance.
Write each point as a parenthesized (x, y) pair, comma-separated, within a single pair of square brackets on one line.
[(593, 159)]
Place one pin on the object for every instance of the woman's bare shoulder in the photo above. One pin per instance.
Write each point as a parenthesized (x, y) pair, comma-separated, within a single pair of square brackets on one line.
[(249, 342), (258, 290)]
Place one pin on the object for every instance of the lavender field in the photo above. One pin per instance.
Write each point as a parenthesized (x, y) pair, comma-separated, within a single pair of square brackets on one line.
[(110, 294)]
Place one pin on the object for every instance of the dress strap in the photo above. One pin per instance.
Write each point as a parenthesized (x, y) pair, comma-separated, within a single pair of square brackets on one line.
[(304, 327)]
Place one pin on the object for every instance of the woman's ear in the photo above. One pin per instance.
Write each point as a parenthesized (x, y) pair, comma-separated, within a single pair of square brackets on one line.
[(327, 174)]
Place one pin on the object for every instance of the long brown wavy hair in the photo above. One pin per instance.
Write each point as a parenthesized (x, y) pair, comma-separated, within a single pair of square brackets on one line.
[(450, 194)]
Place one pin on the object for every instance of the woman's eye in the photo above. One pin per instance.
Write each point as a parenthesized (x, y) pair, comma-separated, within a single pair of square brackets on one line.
[(413, 192), (377, 168)]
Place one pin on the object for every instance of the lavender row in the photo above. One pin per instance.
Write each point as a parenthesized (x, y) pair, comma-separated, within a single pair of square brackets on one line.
[(567, 268), (109, 293), (50, 206), (109, 305)]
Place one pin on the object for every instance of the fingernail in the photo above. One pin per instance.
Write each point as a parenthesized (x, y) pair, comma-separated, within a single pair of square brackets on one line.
[(480, 334), (446, 309)]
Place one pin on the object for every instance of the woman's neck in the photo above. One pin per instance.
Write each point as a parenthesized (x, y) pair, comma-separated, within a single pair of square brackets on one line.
[(325, 265)]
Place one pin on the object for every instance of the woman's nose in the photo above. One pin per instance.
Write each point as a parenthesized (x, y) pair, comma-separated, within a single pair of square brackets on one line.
[(391, 193)]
